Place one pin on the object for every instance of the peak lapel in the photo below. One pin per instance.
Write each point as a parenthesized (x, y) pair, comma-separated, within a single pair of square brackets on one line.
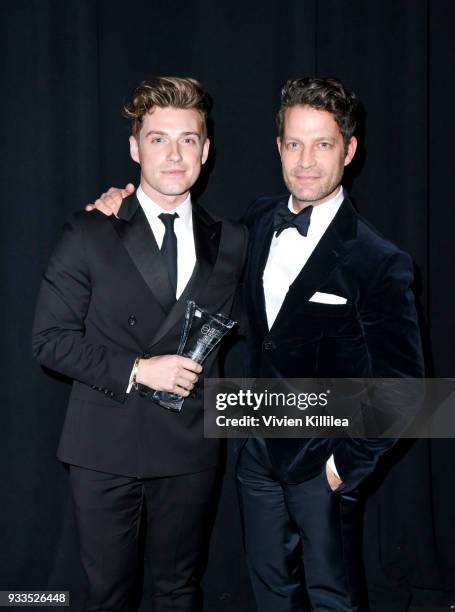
[(137, 237), (207, 233)]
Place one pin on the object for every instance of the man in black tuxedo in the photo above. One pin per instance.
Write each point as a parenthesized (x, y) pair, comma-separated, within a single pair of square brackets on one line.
[(324, 296), (109, 316)]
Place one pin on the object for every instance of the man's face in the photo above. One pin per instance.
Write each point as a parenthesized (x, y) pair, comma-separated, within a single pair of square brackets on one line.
[(170, 150), (313, 155)]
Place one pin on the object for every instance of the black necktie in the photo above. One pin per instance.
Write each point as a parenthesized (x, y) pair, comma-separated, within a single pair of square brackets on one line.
[(169, 247), (285, 218)]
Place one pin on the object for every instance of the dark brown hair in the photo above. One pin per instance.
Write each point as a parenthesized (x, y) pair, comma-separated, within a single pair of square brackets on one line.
[(327, 94), (163, 92)]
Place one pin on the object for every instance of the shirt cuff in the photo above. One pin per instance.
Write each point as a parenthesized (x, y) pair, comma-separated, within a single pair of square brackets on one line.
[(331, 464), (130, 382)]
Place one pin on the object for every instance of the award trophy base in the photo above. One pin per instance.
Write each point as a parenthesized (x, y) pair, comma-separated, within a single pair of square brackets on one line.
[(171, 401)]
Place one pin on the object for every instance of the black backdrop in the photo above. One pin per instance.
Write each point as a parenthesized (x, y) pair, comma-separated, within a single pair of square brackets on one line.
[(67, 68)]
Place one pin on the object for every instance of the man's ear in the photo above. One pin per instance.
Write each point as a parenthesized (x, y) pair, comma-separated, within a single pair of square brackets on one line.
[(205, 150), (134, 150), (350, 150)]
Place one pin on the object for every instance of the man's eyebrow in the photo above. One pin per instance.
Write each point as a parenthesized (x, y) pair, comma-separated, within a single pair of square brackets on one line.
[(318, 138), (161, 133), (156, 132), (191, 134)]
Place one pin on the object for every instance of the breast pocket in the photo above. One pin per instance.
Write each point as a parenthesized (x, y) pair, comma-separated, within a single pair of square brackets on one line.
[(317, 309), (332, 320)]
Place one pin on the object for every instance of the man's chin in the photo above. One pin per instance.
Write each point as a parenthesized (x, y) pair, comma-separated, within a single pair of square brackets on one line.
[(175, 190), (309, 196)]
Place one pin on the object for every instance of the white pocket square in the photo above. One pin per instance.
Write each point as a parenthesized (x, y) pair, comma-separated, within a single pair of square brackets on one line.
[(327, 298)]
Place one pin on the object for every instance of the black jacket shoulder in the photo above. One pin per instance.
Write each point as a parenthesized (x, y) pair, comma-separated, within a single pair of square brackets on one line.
[(261, 206)]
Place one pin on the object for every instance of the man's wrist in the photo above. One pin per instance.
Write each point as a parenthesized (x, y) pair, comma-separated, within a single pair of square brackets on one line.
[(134, 380)]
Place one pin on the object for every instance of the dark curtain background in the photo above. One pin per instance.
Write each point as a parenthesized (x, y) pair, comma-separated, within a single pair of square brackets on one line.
[(67, 68)]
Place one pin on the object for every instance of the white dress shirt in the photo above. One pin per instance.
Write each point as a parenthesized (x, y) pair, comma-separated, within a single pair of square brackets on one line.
[(183, 228), (289, 253)]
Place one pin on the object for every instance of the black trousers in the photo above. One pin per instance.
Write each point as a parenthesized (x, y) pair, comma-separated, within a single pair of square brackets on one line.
[(297, 535), (108, 510)]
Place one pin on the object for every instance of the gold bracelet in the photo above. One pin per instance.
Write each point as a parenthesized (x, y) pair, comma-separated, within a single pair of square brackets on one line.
[(135, 369)]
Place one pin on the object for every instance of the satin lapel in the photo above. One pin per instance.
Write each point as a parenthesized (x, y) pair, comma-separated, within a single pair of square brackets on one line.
[(330, 250), (259, 253), (137, 237), (206, 241), (207, 233)]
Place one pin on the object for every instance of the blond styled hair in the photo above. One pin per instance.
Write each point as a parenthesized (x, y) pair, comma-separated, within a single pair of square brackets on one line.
[(163, 92)]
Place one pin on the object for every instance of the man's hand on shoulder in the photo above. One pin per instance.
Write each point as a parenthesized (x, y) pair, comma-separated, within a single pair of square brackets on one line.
[(109, 203), (171, 373)]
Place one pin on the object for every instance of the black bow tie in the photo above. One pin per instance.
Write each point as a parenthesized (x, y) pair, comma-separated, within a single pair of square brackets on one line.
[(284, 218)]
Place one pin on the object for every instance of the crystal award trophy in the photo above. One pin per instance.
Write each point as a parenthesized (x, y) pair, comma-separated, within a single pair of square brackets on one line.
[(201, 333)]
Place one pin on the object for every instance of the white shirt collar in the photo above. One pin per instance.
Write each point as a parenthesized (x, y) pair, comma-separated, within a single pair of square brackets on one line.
[(334, 201), (322, 215), (152, 209)]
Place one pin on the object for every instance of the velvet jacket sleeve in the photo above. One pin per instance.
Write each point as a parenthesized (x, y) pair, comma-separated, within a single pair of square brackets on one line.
[(390, 327)]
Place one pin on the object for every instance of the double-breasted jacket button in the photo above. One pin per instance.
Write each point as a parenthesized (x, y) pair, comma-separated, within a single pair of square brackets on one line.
[(268, 345), (132, 320)]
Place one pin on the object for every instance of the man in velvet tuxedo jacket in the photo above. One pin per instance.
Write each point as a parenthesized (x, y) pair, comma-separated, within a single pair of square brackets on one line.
[(109, 315), (325, 296)]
